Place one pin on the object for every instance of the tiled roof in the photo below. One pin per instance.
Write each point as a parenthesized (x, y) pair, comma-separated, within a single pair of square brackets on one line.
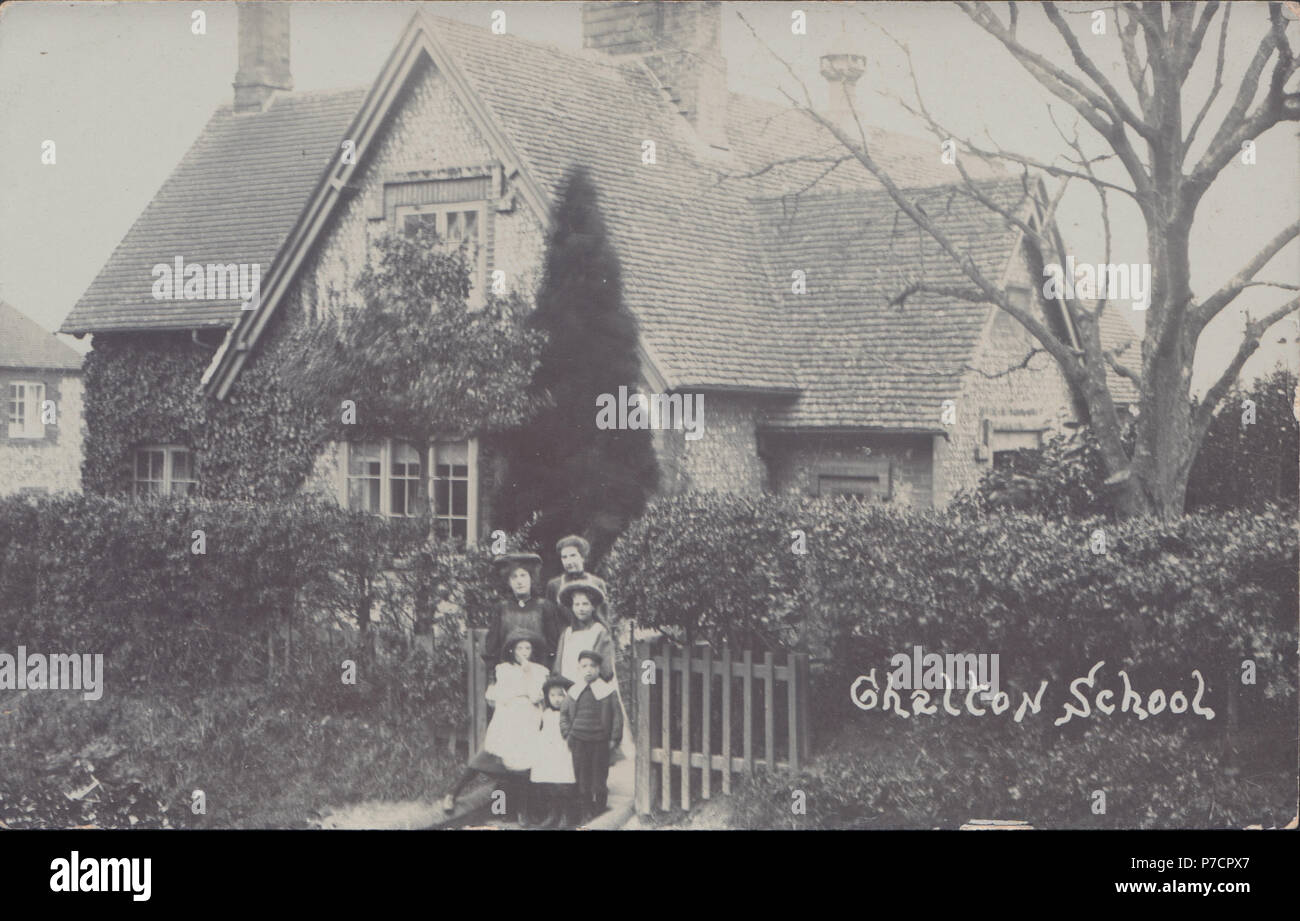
[(861, 361), (692, 269), (706, 252), (234, 197), (25, 344)]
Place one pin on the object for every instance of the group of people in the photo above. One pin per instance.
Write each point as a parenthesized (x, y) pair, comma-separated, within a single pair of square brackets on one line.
[(557, 722)]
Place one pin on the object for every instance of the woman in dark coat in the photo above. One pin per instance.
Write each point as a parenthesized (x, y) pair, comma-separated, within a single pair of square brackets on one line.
[(524, 611)]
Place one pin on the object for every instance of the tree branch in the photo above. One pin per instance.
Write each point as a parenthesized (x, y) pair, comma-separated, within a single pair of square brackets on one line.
[(1086, 64), (1254, 330), (1220, 299), (1095, 110), (1218, 80)]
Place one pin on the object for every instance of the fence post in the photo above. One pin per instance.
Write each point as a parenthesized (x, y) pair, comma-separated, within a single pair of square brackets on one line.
[(805, 695), (768, 728), (480, 688), (726, 719), (686, 729), (792, 705), (641, 652), (666, 774), (706, 711), (472, 724), (747, 686)]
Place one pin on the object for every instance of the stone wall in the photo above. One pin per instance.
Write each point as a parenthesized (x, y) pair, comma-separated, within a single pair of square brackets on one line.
[(724, 458), (52, 463), (1035, 397)]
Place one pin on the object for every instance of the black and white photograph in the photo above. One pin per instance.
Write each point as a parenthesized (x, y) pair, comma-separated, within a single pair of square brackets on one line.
[(650, 416)]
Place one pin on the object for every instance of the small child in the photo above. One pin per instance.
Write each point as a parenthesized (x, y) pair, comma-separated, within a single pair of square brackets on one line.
[(510, 740), (592, 723), (553, 781)]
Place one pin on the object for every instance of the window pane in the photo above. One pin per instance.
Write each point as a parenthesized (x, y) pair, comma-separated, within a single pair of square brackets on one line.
[(180, 465), (365, 473), (412, 223), (862, 487), (363, 459), (17, 404), (471, 226), (456, 452)]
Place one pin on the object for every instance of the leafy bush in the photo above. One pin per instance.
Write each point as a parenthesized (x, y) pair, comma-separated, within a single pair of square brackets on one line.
[(1239, 465), (1206, 592), (927, 773), (222, 670)]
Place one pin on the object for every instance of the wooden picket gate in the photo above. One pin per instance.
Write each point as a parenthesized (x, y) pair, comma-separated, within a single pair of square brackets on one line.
[(721, 676), (471, 737)]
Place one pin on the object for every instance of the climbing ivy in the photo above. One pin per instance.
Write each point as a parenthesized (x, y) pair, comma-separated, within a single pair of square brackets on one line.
[(408, 352), (258, 443)]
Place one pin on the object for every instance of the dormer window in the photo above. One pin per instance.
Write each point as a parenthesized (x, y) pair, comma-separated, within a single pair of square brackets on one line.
[(455, 224)]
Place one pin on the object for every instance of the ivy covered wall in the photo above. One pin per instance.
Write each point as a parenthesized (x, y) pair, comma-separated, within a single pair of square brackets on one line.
[(143, 388)]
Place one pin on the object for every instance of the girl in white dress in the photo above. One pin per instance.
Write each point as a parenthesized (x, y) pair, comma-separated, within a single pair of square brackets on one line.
[(510, 743), (553, 780)]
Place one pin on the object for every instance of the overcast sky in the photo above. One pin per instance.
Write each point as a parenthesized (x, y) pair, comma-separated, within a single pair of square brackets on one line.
[(125, 88)]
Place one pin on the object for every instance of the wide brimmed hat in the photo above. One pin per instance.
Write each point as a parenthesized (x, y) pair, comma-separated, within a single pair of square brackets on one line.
[(586, 586), (519, 635), (573, 540), (508, 562), (555, 681)]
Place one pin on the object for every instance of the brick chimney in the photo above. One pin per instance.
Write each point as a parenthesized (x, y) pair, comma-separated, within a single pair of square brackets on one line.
[(842, 67), (263, 53), (681, 43)]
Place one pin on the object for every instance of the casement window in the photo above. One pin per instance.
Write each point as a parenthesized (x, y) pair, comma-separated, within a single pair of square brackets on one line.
[(396, 479), (867, 481), (1004, 444), (164, 470), (461, 222), (867, 488), (25, 399)]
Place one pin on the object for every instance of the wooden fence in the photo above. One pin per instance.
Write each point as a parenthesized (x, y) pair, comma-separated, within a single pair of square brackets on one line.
[(689, 720), (470, 738)]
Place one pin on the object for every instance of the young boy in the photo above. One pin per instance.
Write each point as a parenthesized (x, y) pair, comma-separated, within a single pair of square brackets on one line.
[(592, 723)]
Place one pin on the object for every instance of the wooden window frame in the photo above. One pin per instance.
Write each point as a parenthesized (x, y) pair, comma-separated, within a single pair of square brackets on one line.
[(28, 427), (169, 478), (479, 279), (427, 476)]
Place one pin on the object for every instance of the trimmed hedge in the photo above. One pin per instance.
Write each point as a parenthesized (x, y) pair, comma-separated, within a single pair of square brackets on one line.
[(223, 670), (1209, 592), (1205, 591)]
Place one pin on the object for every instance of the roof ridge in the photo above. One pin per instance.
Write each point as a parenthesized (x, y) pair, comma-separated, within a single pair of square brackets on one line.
[(590, 55)]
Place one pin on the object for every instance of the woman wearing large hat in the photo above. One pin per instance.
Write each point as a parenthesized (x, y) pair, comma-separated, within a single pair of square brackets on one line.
[(523, 610), (574, 552)]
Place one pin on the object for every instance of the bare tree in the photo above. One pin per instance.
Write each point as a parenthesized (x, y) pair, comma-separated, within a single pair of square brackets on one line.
[(1141, 126)]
